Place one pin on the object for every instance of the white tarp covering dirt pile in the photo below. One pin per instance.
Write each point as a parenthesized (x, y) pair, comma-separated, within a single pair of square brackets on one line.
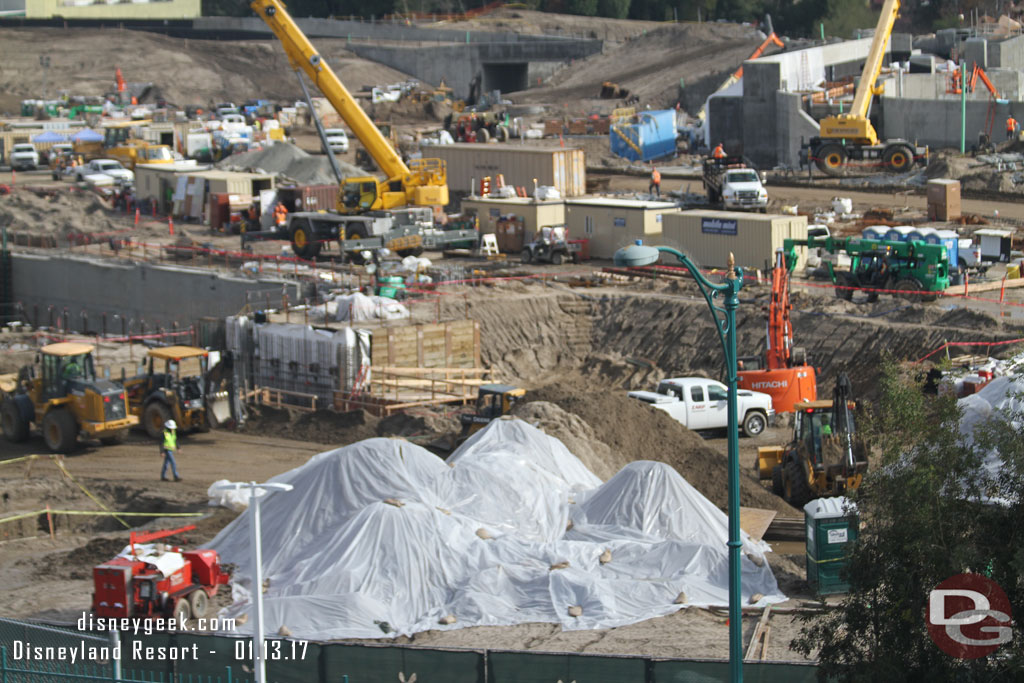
[(1001, 398), (383, 538)]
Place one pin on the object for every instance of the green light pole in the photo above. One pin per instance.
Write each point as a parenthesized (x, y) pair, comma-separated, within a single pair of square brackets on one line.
[(725, 324)]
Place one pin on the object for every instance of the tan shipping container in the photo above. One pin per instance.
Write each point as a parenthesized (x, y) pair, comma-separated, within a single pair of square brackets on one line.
[(610, 223), (469, 162), (535, 214), (708, 237), (943, 199)]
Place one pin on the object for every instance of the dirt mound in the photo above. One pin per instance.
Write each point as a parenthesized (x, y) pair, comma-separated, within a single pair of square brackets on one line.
[(633, 431), (322, 426), (574, 432), (288, 161), (64, 213), (417, 424)]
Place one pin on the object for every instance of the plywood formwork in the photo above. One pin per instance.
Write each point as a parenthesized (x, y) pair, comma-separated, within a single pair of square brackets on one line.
[(440, 345)]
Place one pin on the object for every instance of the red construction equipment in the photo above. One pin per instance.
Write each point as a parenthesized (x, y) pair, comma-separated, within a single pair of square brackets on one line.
[(119, 80), (786, 376), (157, 581)]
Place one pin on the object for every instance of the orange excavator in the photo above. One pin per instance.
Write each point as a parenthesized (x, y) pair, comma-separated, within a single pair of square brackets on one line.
[(954, 87), (785, 374)]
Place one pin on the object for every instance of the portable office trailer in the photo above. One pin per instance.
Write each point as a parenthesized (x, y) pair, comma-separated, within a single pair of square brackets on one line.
[(152, 182), (708, 237), (469, 162), (611, 223), (535, 214)]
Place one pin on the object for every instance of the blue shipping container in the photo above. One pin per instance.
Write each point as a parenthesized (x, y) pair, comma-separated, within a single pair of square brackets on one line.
[(653, 137)]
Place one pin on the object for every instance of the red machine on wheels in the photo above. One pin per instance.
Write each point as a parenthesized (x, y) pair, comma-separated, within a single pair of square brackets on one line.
[(786, 376), (157, 581)]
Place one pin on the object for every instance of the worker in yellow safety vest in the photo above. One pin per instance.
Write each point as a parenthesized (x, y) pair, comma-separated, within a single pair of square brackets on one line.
[(168, 449)]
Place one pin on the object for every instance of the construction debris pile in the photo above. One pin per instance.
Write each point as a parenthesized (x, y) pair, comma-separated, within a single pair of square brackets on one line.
[(288, 162), (382, 538)]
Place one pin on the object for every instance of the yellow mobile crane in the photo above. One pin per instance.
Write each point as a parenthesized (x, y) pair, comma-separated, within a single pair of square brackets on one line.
[(850, 136), (424, 184), (369, 213)]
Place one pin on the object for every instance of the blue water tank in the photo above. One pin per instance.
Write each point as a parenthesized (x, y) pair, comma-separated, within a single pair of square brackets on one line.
[(653, 136)]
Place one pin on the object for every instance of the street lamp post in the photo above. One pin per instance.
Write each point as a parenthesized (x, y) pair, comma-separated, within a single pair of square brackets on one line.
[(259, 663), (725, 324)]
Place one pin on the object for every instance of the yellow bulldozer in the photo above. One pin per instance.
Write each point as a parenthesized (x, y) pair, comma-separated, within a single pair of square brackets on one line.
[(64, 399), (492, 401), (176, 385), (825, 457)]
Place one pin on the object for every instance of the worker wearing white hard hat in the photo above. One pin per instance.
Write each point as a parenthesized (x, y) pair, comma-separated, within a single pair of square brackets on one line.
[(168, 449)]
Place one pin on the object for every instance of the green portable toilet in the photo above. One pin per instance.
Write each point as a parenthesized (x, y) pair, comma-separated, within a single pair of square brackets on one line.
[(831, 525)]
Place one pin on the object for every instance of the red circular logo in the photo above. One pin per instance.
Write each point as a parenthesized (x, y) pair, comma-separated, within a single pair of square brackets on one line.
[(969, 616)]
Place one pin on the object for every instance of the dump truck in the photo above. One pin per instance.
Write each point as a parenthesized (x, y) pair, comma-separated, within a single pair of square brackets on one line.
[(825, 456), (175, 386), (733, 184), (65, 398), (156, 580), (910, 270)]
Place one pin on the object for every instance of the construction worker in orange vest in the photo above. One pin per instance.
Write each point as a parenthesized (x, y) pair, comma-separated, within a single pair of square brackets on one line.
[(1011, 127), (655, 182), (280, 214), (718, 152)]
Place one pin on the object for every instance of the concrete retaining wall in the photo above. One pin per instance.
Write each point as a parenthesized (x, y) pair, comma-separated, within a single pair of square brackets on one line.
[(937, 123), (159, 294), (459, 64)]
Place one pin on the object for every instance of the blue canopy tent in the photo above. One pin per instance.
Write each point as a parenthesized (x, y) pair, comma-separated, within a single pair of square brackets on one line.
[(50, 136), (87, 135)]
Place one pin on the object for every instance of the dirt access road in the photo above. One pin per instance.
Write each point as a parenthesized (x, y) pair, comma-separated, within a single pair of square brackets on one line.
[(808, 198)]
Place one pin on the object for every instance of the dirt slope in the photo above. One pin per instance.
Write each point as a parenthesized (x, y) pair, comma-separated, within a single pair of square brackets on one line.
[(200, 72), (652, 65)]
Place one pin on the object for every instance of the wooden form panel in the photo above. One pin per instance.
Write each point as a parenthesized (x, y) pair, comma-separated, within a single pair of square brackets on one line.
[(443, 345)]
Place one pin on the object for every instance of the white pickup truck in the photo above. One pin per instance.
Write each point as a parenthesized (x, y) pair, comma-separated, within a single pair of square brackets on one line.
[(24, 157), (700, 403), (105, 167)]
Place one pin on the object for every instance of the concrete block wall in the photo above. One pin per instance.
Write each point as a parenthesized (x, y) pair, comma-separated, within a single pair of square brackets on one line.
[(975, 51), (937, 123), (794, 126), (1006, 54), (761, 82), (155, 293), (725, 121)]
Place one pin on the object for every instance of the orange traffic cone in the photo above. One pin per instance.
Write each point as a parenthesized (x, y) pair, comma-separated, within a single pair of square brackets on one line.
[(136, 216)]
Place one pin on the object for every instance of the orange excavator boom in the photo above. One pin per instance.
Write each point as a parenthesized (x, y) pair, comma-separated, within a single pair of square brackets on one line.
[(780, 332), (772, 39), (119, 79)]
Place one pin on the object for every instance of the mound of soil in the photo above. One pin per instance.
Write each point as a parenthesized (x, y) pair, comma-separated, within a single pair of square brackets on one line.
[(322, 426), (632, 431)]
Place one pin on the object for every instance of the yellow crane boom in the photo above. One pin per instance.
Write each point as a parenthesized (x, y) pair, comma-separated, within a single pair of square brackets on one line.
[(854, 125), (421, 183)]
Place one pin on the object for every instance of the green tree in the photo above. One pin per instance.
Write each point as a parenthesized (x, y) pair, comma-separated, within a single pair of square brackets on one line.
[(925, 517), (616, 9), (587, 8)]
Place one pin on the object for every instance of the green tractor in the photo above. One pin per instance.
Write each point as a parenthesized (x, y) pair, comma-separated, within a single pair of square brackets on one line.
[(912, 270)]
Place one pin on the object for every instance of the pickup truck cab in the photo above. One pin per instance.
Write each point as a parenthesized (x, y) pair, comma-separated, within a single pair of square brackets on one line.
[(337, 140), (109, 167), (731, 183), (24, 157), (700, 403)]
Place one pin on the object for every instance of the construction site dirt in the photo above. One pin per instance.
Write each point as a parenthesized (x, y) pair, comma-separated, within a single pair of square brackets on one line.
[(577, 351), (575, 338)]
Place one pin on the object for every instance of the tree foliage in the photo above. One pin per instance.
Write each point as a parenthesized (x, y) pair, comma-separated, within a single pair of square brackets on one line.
[(923, 521)]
